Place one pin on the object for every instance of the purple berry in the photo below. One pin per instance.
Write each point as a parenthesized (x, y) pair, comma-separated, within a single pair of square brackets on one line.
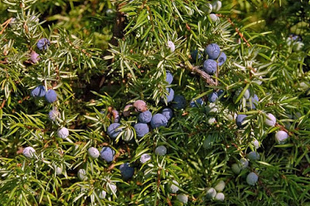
[(222, 58), (254, 101), (179, 102), (107, 153), (210, 66), (34, 57), (170, 96), (240, 119), (39, 91), (43, 44), (213, 51), (113, 130), (169, 77), (168, 113), (196, 55), (197, 102), (141, 129), (126, 171), (51, 96), (159, 120), (213, 97), (145, 117)]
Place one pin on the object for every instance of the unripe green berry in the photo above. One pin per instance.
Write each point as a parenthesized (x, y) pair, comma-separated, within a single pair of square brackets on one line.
[(236, 168), (220, 186)]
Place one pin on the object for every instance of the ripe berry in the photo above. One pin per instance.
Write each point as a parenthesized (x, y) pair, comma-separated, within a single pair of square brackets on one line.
[(252, 178), (113, 131), (222, 58), (63, 133), (240, 120), (39, 91), (196, 55), (210, 66), (93, 152), (179, 102), (141, 129), (213, 51), (29, 152), (43, 44), (169, 77), (51, 96), (254, 101), (246, 94), (107, 154), (213, 97), (170, 95), (168, 113), (197, 102), (145, 117), (126, 171), (159, 120)]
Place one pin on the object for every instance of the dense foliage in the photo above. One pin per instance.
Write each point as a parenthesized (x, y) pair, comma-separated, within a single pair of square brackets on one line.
[(72, 128)]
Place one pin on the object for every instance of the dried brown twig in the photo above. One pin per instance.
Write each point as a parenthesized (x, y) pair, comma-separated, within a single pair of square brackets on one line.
[(202, 74), (5, 24)]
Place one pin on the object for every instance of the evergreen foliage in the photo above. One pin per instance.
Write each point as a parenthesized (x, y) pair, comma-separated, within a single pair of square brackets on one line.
[(71, 69)]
